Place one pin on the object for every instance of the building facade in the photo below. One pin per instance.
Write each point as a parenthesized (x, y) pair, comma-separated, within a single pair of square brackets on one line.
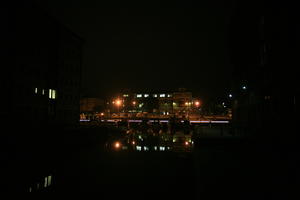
[(43, 71), (180, 103)]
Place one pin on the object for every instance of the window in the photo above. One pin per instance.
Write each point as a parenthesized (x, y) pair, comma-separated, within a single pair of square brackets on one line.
[(138, 95), (52, 94), (35, 90), (154, 95), (146, 95), (162, 95)]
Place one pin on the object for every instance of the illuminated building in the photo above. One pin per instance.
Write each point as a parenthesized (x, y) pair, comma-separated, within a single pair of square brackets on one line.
[(180, 103)]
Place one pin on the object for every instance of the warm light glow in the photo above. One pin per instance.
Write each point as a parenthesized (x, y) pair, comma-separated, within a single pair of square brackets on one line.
[(118, 102), (102, 114), (197, 103), (134, 102), (133, 142), (186, 143), (186, 103), (117, 145)]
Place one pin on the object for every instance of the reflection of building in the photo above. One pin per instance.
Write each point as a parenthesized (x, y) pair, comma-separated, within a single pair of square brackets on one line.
[(163, 103), (43, 74)]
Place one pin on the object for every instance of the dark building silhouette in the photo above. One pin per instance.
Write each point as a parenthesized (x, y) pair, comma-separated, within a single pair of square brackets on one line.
[(43, 69), (40, 83), (265, 45)]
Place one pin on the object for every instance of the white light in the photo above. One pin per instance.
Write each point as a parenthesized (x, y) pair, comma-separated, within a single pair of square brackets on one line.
[(138, 95), (161, 148), (146, 148), (162, 95), (35, 90), (146, 95), (230, 95), (53, 94), (155, 148), (43, 91), (155, 95), (169, 95), (244, 87), (50, 93), (138, 148)]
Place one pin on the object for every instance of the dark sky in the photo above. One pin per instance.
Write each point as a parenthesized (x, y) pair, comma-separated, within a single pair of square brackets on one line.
[(151, 45)]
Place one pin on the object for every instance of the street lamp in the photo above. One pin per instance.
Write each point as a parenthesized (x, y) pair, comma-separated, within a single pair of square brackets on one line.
[(118, 103)]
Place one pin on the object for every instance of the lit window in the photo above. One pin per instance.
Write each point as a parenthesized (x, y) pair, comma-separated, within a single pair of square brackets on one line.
[(125, 95), (50, 93), (146, 95), (53, 94), (169, 95), (46, 182), (43, 92), (49, 180), (35, 90), (162, 95), (155, 95), (138, 148), (139, 95)]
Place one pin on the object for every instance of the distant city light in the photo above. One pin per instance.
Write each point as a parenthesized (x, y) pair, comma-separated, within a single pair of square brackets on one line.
[(118, 102), (162, 95), (197, 103), (244, 87), (230, 95), (146, 95), (117, 145), (134, 102), (36, 90), (139, 95)]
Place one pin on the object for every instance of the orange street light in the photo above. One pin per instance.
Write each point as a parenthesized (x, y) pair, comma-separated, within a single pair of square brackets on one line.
[(118, 102), (197, 103)]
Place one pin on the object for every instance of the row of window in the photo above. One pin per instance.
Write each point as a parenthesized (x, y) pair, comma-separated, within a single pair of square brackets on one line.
[(148, 95), (46, 182), (51, 92)]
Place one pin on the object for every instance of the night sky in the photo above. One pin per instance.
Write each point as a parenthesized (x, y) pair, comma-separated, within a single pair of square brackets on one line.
[(151, 45)]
